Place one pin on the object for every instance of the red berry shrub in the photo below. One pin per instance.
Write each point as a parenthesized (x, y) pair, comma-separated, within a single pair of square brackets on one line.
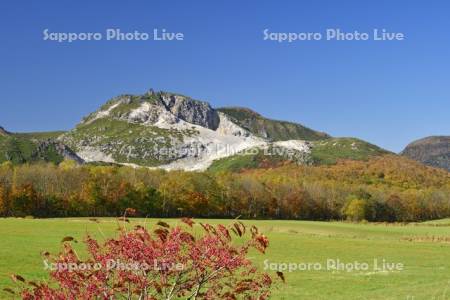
[(168, 263)]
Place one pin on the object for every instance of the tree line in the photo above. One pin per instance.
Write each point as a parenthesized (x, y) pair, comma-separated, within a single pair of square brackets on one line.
[(389, 188)]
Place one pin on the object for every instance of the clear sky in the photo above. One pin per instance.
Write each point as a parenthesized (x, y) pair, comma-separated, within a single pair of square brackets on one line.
[(385, 92)]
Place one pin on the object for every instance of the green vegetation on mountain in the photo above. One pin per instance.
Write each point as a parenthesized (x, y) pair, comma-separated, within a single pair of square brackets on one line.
[(40, 136), (19, 148), (127, 142), (271, 129), (252, 159), (16, 149), (332, 150), (325, 152), (132, 102)]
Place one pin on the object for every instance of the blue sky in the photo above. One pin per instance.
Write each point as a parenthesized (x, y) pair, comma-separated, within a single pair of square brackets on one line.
[(388, 93)]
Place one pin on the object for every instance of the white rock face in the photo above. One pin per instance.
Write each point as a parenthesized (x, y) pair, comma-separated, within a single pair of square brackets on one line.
[(209, 145), (91, 154), (140, 114), (227, 127), (150, 114), (298, 145)]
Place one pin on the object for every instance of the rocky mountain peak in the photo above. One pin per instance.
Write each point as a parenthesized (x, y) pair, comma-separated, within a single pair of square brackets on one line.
[(154, 107)]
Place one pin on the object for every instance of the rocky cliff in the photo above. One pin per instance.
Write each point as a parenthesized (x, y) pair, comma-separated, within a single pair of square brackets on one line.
[(192, 111)]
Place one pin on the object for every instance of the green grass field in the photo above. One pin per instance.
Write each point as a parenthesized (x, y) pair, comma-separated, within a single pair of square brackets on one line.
[(423, 249)]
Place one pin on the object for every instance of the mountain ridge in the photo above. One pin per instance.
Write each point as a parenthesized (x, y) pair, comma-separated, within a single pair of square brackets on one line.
[(173, 131)]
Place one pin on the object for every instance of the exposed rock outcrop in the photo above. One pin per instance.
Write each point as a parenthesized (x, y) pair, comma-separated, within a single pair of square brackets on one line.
[(192, 111), (154, 107)]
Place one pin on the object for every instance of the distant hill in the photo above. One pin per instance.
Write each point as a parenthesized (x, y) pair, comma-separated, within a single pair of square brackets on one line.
[(20, 148), (433, 151)]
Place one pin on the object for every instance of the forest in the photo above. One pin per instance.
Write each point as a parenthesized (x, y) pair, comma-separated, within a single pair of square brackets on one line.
[(383, 189)]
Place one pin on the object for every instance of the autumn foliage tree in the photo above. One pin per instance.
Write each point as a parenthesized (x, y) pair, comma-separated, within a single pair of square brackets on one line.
[(168, 263), (393, 189)]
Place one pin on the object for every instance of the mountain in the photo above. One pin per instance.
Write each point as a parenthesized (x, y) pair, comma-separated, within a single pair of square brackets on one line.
[(173, 131), (21, 148), (433, 151)]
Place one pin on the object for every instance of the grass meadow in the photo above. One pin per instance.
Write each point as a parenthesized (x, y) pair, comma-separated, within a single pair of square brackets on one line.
[(422, 248)]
